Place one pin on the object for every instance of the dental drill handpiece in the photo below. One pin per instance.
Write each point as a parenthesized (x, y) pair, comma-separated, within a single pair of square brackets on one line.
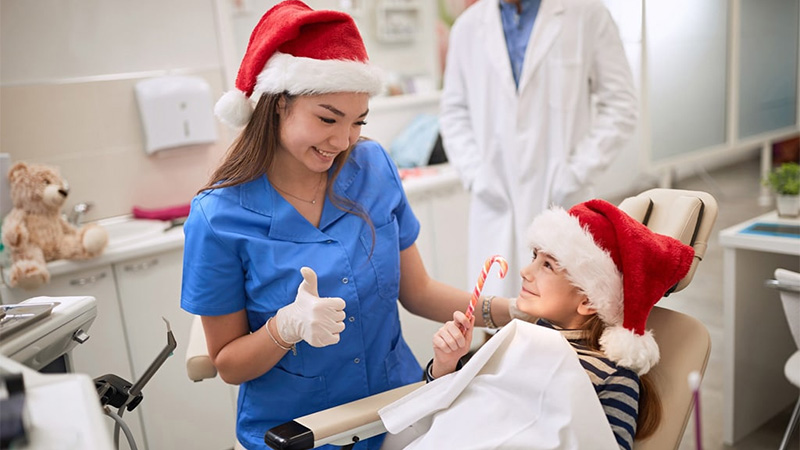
[(136, 389)]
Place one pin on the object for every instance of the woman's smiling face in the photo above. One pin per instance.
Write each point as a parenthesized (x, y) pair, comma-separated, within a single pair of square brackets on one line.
[(317, 128), (548, 294)]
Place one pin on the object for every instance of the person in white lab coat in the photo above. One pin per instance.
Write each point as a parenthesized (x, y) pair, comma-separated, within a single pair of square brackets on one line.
[(537, 100)]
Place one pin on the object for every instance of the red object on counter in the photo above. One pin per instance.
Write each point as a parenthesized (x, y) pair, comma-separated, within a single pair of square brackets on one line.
[(168, 213), (416, 172)]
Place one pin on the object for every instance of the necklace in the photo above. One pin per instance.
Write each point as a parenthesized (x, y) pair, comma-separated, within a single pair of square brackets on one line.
[(313, 200)]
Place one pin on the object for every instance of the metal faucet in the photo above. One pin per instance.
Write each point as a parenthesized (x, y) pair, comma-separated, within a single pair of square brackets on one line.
[(74, 217)]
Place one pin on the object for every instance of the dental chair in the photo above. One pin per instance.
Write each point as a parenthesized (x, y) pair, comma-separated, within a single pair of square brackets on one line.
[(684, 343)]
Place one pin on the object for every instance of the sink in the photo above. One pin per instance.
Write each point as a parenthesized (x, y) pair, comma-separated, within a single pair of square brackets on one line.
[(126, 230)]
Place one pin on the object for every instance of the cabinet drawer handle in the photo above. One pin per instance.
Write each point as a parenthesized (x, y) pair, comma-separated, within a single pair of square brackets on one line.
[(141, 266), (87, 280)]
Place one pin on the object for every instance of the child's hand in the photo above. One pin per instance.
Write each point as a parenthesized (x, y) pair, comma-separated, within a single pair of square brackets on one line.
[(450, 343)]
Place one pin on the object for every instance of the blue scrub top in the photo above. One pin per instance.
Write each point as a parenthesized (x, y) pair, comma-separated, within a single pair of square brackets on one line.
[(244, 248)]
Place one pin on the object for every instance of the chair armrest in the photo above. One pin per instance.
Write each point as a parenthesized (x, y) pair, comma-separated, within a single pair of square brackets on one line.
[(340, 425), (198, 364)]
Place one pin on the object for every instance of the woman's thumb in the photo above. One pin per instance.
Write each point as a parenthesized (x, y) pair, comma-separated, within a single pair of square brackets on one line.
[(309, 280)]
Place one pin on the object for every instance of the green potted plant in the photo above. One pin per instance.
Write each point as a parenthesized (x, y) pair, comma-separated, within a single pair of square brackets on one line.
[(784, 181)]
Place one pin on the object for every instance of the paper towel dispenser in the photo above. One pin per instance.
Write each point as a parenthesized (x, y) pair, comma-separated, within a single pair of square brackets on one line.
[(175, 111)]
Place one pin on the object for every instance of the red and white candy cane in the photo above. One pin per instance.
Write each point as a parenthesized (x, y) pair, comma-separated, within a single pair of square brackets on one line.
[(476, 293)]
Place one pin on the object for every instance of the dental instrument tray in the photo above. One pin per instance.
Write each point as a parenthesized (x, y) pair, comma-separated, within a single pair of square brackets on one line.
[(14, 318)]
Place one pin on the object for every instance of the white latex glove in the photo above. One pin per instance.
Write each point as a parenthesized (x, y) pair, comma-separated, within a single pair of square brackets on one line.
[(311, 318), (515, 313)]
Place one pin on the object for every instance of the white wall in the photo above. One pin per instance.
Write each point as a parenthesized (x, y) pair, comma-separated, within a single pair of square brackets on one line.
[(67, 72), (68, 68)]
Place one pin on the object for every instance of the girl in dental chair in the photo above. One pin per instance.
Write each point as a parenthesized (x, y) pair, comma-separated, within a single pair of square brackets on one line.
[(594, 276)]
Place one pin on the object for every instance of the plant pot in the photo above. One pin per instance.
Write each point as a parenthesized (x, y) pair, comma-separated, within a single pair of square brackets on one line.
[(788, 205)]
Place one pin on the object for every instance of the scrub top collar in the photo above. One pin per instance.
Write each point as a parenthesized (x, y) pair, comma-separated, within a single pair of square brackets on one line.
[(261, 198)]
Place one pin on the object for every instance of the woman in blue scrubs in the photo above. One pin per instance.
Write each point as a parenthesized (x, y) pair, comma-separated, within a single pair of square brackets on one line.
[(299, 188)]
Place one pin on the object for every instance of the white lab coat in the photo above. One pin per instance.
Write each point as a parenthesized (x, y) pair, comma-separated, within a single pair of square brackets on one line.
[(519, 150), (524, 389)]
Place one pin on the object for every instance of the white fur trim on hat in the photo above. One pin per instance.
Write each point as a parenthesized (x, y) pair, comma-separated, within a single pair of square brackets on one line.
[(234, 108), (303, 76), (628, 349), (588, 266)]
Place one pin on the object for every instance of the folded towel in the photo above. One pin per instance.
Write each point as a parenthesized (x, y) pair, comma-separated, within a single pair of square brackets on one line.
[(168, 213)]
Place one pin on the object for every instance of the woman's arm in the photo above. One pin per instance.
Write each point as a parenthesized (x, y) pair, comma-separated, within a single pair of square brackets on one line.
[(237, 354), (426, 297)]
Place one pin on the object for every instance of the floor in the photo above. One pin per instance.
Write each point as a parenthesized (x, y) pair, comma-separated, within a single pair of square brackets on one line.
[(736, 189)]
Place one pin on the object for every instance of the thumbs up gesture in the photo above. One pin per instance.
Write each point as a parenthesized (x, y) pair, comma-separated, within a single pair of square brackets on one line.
[(311, 318)]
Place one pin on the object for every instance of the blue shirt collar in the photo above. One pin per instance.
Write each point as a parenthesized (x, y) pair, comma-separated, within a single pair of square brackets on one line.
[(260, 197)]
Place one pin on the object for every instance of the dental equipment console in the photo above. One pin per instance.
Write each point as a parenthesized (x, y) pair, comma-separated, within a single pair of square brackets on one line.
[(44, 401)]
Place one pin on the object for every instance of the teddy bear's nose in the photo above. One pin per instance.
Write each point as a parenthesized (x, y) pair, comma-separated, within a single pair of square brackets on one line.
[(63, 192)]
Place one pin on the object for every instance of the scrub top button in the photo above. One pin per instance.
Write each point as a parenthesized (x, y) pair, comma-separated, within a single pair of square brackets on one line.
[(329, 241), (356, 360), (345, 280), (352, 319)]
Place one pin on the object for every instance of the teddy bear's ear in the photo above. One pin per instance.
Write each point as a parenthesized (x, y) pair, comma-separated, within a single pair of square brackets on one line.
[(17, 170)]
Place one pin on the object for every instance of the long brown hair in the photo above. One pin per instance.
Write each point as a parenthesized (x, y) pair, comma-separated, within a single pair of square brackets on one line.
[(253, 152), (649, 401)]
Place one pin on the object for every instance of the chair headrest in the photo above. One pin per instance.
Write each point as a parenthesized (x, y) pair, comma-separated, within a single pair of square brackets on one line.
[(687, 216)]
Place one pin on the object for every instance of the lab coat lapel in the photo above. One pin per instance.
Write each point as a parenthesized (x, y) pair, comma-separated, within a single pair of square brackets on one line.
[(495, 47), (546, 29)]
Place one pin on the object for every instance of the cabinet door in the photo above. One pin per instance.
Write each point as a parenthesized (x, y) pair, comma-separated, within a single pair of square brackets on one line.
[(106, 351), (177, 412)]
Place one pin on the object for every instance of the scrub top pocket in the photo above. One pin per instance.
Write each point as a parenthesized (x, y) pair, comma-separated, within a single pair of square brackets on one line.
[(385, 259), (308, 394)]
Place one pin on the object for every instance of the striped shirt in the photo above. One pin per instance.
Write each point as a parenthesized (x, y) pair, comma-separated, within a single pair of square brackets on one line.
[(617, 387)]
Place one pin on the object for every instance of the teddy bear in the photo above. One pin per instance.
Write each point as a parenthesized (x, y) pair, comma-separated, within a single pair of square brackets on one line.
[(35, 232)]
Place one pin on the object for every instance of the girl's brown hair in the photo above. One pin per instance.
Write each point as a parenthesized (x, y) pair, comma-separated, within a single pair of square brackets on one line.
[(649, 400), (253, 152)]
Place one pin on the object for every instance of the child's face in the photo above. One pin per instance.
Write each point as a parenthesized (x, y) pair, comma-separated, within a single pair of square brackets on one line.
[(547, 293)]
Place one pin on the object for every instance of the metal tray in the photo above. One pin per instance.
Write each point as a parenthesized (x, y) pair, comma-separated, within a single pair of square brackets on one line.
[(14, 318)]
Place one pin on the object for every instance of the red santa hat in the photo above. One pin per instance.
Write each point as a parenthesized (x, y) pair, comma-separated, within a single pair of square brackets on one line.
[(623, 268), (300, 51)]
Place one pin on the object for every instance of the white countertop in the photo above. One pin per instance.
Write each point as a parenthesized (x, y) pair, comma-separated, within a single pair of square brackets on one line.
[(151, 244), (416, 182), (733, 237)]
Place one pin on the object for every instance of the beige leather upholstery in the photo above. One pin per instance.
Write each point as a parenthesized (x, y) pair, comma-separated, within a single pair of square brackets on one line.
[(198, 363), (685, 344), (685, 215), (338, 425)]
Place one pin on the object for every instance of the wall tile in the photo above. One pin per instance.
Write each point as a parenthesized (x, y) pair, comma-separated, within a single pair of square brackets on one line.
[(92, 132)]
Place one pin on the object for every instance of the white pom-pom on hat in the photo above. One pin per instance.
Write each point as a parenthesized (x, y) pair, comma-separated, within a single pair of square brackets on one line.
[(234, 108), (628, 349)]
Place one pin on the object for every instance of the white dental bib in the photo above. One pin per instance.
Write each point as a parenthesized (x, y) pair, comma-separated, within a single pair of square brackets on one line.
[(525, 388)]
